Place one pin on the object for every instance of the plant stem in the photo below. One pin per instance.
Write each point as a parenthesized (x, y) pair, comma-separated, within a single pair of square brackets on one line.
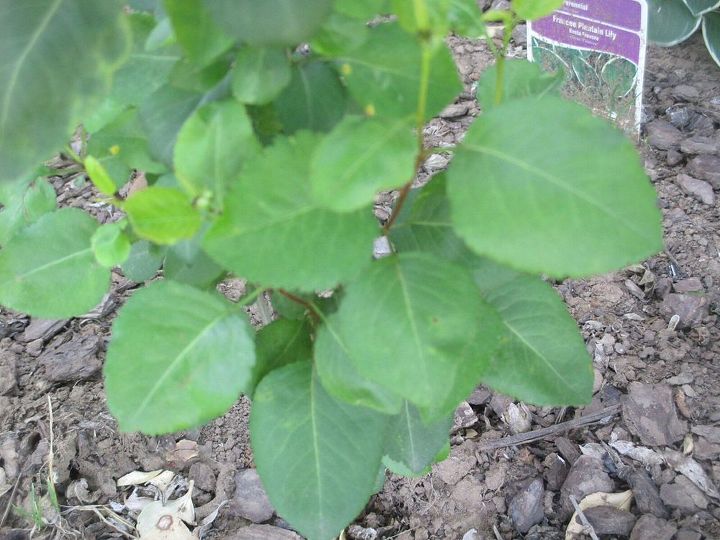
[(500, 78), (404, 192), (307, 305)]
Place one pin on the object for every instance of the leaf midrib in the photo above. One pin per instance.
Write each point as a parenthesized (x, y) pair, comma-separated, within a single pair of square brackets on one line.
[(46, 266)]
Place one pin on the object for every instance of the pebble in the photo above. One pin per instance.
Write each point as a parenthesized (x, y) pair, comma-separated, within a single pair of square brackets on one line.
[(456, 110), (586, 476), (649, 527), (679, 115), (250, 500), (663, 135), (263, 532), (647, 496), (75, 360), (203, 476), (692, 284), (691, 309), (711, 433), (42, 329), (464, 417), (650, 415), (688, 534), (8, 372), (699, 189), (526, 508), (556, 471), (699, 145), (706, 167), (686, 92), (609, 520), (683, 495)]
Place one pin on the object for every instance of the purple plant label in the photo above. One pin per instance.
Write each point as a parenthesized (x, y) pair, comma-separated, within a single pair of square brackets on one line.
[(600, 46)]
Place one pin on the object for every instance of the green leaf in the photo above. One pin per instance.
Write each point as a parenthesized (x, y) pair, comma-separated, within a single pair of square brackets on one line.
[(48, 269), (340, 377), (535, 9), (365, 10), (270, 22), (47, 81), (162, 215), (99, 176), (318, 458), (427, 316), (196, 32), (389, 84), (212, 146), (24, 204), (272, 231), (542, 359), (361, 157), (711, 33), (670, 22), (178, 358), (440, 16), (278, 344), (701, 7), (415, 443), (286, 308), (144, 71), (186, 262), (543, 186), (260, 74), (339, 34), (110, 245), (521, 79), (315, 99), (144, 261), (465, 18)]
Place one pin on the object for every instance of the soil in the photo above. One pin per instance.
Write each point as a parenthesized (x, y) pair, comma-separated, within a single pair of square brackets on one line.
[(657, 386)]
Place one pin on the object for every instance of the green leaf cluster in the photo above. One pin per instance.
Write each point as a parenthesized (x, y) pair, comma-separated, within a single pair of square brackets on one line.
[(674, 21), (264, 132)]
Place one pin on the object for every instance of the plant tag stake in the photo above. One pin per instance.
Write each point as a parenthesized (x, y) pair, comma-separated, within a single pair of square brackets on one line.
[(600, 45)]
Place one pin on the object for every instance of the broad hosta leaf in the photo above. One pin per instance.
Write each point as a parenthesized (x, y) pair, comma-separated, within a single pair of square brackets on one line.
[(535, 9), (361, 157), (415, 443), (318, 458), (260, 74), (212, 146), (23, 204), (543, 186), (315, 99), (278, 344), (186, 262), (700, 7), (670, 22), (417, 326), (196, 32), (711, 33), (340, 377), (144, 261), (273, 232), (541, 340), (47, 81), (270, 22), (145, 70), (522, 79), (389, 84), (178, 358), (162, 215), (110, 245), (48, 269)]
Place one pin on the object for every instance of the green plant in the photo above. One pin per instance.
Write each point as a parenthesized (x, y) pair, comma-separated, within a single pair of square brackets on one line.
[(674, 21), (263, 161)]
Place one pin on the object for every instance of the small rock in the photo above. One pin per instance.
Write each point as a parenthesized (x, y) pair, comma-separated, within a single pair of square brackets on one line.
[(263, 532), (673, 157), (663, 135), (699, 145), (455, 110), (480, 396), (464, 417), (610, 520), (711, 433), (75, 360), (691, 309), (203, 475), (518, 418), (683, 495), (568, 449), (706, 167), (688, 285), (41, 329), (519, 35), (34, 348), (647, 496), (649, 527), (679, 115), (356, 532), (699, 189), (436, 162), (250, 500), (526, 508), (649, 414), (8, 372), (679, 380), (556, 471), (685, 92), (688, 534), (586, 476)]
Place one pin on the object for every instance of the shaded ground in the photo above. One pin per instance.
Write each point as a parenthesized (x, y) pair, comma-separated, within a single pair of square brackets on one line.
[(657, 381)]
